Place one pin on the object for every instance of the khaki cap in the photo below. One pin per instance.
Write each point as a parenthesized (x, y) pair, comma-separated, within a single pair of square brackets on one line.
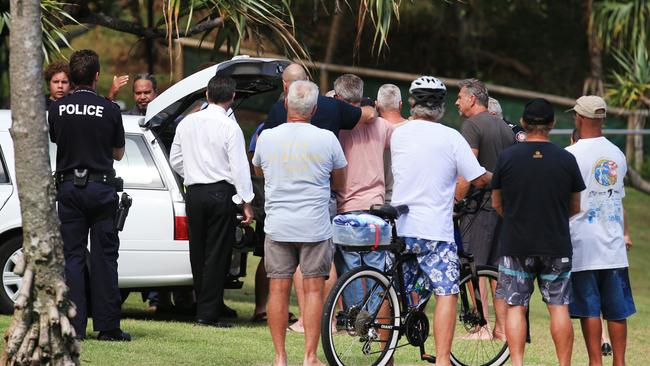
[(590, 106)]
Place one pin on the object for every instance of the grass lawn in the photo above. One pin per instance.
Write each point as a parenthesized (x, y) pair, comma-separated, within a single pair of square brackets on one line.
[(158, 341)]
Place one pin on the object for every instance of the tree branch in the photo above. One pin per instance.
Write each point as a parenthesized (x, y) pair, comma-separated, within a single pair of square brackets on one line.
[(138, 30), (506, 61), (636, 181)]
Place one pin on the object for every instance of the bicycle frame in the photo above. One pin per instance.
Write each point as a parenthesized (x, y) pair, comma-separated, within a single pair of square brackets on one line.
[(395, 274)]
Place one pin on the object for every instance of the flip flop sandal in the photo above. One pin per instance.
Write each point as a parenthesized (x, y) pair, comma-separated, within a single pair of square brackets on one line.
[(259, 318), (292, 318)]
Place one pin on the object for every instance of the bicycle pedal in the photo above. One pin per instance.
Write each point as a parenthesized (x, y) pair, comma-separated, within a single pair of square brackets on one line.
[(428, 358)]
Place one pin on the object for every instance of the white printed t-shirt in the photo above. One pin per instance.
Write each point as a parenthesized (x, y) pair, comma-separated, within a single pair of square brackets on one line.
[(597, 231), (427, 157), (297, 160)]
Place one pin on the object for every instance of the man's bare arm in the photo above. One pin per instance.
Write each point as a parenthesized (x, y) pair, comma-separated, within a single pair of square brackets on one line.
[(483, 180), (338, 179), (368, 114), (496, 201), (574, 204), (118, 153), (462, 187), (258, 171), (626, 232)]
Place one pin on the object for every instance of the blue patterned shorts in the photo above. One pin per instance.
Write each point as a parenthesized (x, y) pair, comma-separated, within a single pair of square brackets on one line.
[(436, 270)]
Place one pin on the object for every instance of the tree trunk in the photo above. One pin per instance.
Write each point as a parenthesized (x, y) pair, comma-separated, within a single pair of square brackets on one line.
[(636, 180), (629, 139), (594, 82), (40, 331), (638, 143), (332, 42)]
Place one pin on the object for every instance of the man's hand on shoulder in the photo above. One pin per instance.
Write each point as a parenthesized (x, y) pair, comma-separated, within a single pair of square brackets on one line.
[(368, 114)]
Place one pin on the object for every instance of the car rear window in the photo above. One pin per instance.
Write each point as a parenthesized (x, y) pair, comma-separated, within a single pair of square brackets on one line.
[(137, 167)]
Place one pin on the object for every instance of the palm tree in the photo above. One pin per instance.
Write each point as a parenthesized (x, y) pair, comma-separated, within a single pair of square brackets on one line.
[(621, 28)]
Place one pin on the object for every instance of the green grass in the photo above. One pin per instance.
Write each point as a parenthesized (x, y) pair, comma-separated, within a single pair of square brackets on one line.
[(158, 341)]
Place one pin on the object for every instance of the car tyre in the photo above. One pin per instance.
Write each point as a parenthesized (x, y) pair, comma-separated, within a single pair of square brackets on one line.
[(10, 251)]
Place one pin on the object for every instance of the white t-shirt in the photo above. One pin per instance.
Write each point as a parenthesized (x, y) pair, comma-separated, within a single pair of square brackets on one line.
[(297, 160), (597, 231), (427, 158)]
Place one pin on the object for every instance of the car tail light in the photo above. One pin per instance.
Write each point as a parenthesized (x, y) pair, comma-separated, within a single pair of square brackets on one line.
[(180, 228)]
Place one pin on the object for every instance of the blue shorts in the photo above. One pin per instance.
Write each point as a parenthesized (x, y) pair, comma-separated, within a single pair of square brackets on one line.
[(605, 291), (436, 270)]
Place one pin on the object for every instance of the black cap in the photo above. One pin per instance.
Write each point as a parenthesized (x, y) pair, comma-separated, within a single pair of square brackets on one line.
[(538, 111)]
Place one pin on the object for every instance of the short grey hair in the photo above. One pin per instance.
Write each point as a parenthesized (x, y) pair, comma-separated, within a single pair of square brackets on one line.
[(420, 111), (349, 87), (302, 97), (544, 129), (389, 97), (476, 88), (495, 108)]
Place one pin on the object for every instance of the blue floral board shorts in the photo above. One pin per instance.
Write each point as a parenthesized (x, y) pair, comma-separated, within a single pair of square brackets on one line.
[(436, 268)]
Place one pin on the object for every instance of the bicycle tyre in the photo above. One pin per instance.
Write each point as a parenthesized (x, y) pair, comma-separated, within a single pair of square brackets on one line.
[(468, 348), (336, 354)]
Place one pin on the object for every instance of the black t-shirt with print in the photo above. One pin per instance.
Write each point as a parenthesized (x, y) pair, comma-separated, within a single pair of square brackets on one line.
[(536, 180)]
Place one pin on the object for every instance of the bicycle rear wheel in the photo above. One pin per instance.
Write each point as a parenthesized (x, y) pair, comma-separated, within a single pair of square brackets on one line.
[(360, 304), (475, 345)]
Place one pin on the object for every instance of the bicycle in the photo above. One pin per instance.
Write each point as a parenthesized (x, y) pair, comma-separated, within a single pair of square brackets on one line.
[(368, 332)]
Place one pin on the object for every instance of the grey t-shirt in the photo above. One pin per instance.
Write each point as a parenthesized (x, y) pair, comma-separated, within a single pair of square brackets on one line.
[(297, 160), (489, 135)]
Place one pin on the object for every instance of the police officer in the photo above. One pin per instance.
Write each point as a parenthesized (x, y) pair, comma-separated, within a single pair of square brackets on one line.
[(88, 132)]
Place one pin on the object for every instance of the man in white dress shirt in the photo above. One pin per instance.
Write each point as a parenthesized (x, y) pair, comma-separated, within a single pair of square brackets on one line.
[(209, 152)]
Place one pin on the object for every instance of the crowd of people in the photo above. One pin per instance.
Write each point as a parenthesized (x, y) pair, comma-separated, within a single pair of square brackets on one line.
[(554, 215)]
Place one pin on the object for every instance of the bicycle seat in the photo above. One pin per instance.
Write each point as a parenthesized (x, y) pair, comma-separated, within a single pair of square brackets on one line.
[(389, 212)]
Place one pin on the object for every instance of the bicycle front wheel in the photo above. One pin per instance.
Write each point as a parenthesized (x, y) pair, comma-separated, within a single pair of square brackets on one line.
[(360, 319), (475, 344)]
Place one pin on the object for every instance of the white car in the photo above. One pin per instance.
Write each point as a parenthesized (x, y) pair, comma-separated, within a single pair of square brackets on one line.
[(154, 248)]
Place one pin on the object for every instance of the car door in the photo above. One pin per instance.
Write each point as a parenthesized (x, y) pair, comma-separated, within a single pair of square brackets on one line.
[(6, 188)]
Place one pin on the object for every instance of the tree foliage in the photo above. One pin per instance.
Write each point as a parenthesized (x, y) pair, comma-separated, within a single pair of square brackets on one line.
[(631, 82), (622, 27)]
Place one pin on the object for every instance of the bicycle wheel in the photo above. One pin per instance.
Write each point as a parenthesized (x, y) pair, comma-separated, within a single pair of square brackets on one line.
[(473, 344), (360, 304)]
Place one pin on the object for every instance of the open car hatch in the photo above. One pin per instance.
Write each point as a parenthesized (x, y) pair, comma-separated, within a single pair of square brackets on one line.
[(253, 76)]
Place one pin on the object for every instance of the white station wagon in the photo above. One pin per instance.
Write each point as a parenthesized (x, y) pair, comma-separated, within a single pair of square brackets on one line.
[(154, 248)]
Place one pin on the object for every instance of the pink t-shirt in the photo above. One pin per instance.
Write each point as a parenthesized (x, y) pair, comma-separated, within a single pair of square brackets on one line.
[(364, 148)]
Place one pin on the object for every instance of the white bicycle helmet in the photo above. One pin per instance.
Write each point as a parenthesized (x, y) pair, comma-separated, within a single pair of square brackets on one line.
[(428, 91)]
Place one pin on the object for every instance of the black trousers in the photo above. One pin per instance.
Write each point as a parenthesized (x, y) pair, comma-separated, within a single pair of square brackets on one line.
[(211, 218), (91, 208)]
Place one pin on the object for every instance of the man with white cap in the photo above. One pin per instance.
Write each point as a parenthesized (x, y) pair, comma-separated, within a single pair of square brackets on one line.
[(599, 235)]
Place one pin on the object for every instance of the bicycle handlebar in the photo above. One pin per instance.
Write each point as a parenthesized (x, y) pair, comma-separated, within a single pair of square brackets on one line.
[(465, 207)]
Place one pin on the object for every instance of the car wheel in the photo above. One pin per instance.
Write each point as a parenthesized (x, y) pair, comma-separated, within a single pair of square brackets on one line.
[(10, 252)]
